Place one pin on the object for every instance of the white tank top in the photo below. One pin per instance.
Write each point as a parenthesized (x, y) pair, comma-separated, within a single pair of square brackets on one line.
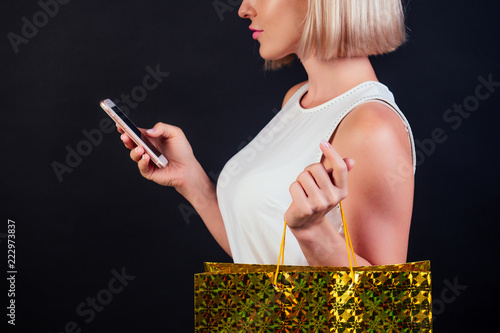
[(253, 187)]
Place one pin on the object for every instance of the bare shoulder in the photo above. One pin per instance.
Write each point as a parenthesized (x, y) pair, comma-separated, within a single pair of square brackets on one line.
[(376, 137), (374, 123), (291, 92)]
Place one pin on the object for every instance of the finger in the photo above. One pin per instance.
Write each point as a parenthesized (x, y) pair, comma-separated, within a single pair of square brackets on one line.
[(145, 167), (299, 197), (127, 141), (350, 163), (321, 176), (309, 185), (321, 191), (137, 153), (119, 129), (340, 170)]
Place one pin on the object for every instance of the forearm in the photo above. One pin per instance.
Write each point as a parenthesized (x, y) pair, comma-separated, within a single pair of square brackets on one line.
[(322, 245), (201, 193)]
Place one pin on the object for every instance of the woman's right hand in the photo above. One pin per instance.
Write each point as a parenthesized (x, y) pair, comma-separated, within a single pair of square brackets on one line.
[(173, 144), (182, 172)]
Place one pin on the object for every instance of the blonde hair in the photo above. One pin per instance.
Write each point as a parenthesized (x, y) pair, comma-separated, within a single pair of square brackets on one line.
[(349, 28)]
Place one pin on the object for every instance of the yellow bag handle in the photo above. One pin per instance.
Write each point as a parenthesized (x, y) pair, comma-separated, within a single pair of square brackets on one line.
[(348, 243)]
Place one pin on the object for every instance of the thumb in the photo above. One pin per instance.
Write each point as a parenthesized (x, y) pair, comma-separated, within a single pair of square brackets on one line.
[(164, 130)]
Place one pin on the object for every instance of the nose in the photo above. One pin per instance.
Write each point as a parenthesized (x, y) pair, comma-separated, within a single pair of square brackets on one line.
[(246, 10)]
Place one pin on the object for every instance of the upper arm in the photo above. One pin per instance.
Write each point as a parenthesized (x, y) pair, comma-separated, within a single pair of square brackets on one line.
[(291, 92), (379, 204)]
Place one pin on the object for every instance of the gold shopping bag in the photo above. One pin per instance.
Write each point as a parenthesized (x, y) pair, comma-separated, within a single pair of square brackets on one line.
[(277, 298)]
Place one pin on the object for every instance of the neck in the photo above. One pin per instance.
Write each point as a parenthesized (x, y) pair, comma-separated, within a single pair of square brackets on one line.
[(329, 79)]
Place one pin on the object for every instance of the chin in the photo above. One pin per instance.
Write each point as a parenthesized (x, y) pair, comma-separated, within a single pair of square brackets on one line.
[(275, 53), (270, 55)]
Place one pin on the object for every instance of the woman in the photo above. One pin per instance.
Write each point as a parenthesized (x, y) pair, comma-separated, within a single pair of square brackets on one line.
[(291, 170)]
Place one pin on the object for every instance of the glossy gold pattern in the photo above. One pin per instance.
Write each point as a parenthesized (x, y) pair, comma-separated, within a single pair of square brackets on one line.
[(242, 298)]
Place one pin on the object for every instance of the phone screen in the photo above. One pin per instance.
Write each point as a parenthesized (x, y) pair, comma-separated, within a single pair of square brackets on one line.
[(134, 128)]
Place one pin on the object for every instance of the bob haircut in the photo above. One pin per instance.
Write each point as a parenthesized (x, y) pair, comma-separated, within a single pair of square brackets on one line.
[(349, 28)]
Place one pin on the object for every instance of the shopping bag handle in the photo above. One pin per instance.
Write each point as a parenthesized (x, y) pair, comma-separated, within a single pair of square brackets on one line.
[(348, 243)]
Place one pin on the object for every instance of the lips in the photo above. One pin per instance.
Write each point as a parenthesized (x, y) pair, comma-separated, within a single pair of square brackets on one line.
[(256, 32)]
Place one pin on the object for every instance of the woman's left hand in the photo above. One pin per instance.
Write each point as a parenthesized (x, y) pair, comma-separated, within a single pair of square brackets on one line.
[(318, 190)]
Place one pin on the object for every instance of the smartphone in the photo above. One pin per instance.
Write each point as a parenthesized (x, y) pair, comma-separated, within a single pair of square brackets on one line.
[(133, 132)]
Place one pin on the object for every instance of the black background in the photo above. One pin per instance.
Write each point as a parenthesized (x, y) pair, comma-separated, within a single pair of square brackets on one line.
[(72, 232)]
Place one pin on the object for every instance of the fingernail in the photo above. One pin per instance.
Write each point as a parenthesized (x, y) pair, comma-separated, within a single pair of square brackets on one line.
[(136, 149), (151, 130), (325, 144), (122, 137)]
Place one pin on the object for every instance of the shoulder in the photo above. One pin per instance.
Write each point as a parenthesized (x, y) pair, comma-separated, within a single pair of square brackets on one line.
[(291, 92), (374, 123), (376, 137)]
